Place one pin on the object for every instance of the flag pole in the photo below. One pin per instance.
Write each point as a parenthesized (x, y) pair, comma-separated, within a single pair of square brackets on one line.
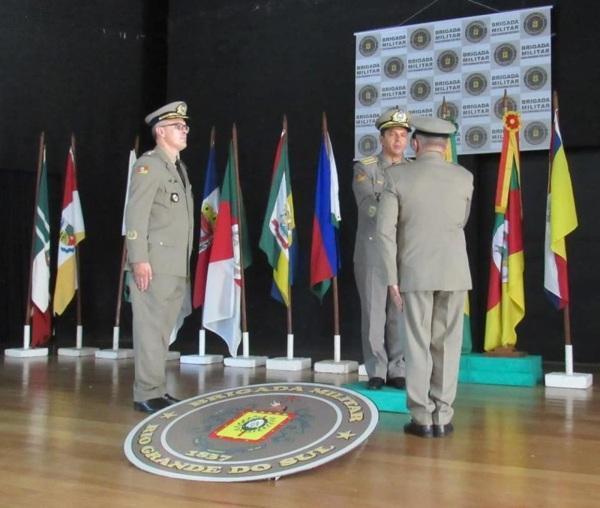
[(245, 339), (79, 333), (337, 346), (28, 308)]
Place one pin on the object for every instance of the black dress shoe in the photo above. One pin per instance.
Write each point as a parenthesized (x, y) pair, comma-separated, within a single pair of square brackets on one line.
[(418, 430), (375, 383), (443, 430), (170, 399), (397, 382), (151, 405)]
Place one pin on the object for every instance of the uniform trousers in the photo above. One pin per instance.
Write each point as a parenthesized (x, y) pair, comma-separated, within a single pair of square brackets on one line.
[(381, 326), (155, 313), (434, 323)]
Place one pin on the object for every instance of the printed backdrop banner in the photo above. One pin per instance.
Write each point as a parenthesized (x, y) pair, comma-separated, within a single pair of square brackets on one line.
[(467, 61)]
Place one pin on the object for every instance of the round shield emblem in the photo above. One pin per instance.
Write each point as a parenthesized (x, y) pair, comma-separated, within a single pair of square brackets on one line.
[(367, 95), (511, 105), (476, 31), (393, 67), (505, 54), (368, 45), (253, 432), (476, 83), (476, 137), (420, 90), (536, 133), (535, 23), (420, 38), (535, 78), (367, 144), (447, 112), (447, 60)]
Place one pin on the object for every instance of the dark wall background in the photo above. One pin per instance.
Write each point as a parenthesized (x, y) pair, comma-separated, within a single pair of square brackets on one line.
[(98, 67)]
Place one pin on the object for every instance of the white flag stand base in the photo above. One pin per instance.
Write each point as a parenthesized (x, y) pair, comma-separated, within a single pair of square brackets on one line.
[(173, 355), (22, 352), (201, 359), (562, 380), (362, 371), (77, 351), (245, 361), (26, 351), (284, 363), (114, 354), (339, 367), (568, 379)]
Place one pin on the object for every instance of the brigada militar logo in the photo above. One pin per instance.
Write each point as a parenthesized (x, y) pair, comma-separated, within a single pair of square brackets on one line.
[(420, 89), (536, 133), (367, 95), (535, 23), (499, 106), (476, 31), (476, 83), (420, 38), (368, 45), (535, 78), (393, 67), (252, 433), (505, 54), (367, 145), (476, 137), (447, 60)]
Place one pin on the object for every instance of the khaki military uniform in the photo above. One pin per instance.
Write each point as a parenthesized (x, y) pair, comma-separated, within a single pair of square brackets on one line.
[(422, 213), (160, 222), (380, 325)]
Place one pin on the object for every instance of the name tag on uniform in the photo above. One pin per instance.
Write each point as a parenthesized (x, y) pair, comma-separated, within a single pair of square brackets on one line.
[(174, 197)]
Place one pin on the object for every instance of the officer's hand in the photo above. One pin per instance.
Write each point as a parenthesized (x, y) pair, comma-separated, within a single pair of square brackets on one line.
[(394, 291), (142, 274)]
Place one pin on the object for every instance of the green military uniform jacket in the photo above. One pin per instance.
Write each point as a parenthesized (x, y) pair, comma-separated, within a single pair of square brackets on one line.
[(160, 215)]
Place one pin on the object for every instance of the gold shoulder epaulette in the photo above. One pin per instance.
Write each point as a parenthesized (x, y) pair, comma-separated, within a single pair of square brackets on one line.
[(369, 160)]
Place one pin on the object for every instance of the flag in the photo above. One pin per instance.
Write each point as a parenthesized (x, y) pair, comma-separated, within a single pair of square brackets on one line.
[(506, 294), (222, 309), (467, 341), (72, 231), (561, 219), (40, 271), (278, 237), (128, 275), (324, 254), (208, 217)]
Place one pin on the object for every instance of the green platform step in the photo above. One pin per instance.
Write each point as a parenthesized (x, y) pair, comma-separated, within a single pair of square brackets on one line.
[(474, 368)]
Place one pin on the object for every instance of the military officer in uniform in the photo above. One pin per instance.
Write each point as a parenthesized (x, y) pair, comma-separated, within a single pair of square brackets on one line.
[(160, 227), (420, 231), (380, 327)]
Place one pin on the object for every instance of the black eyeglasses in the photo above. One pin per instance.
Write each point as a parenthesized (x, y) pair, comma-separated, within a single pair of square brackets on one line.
[(179, 126)]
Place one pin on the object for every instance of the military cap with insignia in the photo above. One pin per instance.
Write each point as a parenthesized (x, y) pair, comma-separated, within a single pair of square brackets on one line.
[(432, 126), (393, 117), (171, 111)]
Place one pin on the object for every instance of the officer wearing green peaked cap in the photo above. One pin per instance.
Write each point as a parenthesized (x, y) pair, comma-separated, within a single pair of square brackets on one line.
[(380, 327), (160, 227)]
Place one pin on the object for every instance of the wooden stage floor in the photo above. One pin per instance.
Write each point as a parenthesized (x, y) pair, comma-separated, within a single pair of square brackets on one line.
[(63, 422)]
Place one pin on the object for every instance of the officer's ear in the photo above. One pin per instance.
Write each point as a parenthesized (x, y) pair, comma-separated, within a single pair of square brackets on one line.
[(414, 143)]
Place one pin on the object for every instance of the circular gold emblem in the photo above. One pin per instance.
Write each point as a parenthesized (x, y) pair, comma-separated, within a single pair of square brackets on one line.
[(476, 83), (511, 105), (476, 136), (447, 60), (368, 95), (367, 144), (368, 45), (447, 112), (505, 54), (420, 90), (420, 38), (536, 133), (393, 67), (535, 23), (535, 78), (476, 31)]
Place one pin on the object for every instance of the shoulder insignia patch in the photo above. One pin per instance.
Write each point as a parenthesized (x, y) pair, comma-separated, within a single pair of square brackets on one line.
[(369, 160), (132, 234), (141, 170)]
